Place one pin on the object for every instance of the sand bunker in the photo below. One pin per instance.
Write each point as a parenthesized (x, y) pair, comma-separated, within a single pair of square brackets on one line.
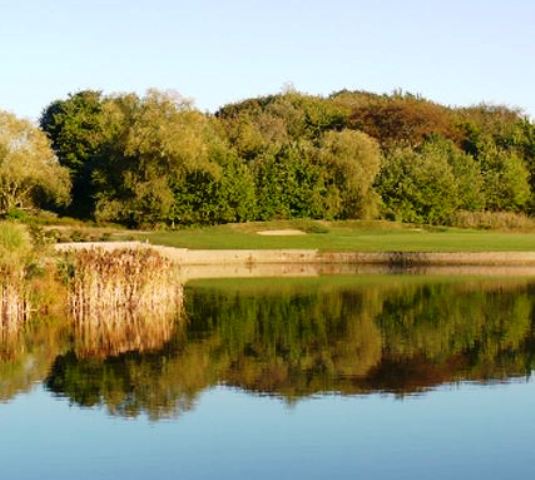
[(285, 232)]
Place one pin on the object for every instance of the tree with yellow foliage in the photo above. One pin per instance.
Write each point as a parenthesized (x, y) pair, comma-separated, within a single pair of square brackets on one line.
[(30, 174)]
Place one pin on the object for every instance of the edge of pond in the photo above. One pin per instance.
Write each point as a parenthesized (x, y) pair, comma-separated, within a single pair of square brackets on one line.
[(190, 257)]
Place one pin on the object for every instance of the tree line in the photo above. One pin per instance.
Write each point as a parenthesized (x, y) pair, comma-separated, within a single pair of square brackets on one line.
[(157, 160)]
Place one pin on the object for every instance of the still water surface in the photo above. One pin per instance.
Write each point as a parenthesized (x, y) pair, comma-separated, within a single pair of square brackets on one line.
[(371, 376)]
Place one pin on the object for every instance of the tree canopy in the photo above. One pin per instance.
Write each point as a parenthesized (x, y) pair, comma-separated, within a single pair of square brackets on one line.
[(157, 160), (30, 174)]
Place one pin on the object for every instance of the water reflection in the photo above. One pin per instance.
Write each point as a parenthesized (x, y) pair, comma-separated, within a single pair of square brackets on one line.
[(400, 335), (295, 338), (290, 338), (32, 357)]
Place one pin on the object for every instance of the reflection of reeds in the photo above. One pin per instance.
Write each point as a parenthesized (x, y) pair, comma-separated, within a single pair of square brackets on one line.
[(123, 300)]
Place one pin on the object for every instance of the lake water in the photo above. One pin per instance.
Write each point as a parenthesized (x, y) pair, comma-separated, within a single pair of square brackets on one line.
[(357, 376)]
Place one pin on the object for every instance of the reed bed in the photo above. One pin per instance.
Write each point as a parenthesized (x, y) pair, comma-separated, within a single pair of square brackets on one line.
[(15, 254), (14, 313), (14, 307), (123, 300)]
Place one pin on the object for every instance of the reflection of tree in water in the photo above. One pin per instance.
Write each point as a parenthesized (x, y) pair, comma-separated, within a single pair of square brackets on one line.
[(38, 346), (128, 385), (291, 341), (478, 332), (29, 343), (398, 335)]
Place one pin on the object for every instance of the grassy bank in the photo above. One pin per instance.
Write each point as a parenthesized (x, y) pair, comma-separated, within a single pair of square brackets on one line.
[(344, 236)]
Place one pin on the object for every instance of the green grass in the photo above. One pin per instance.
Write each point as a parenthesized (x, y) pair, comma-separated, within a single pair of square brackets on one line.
[(344, 236)]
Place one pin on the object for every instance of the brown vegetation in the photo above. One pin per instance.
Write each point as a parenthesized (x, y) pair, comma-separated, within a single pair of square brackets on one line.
[(123, 300), (493, 221), (15, 248), (14, 312)]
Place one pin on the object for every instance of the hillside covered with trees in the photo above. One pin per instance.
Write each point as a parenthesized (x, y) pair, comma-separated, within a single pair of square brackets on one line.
[(156, 160)]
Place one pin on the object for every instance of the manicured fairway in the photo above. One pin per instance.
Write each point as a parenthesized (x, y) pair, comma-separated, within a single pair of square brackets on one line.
[(344, 236)]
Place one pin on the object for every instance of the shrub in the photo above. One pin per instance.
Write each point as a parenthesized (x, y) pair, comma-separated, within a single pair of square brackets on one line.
[(15, 244), (492, 220)]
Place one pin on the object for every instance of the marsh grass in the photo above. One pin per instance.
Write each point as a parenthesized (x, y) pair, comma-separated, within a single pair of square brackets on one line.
[(14, 313), (123, 300), (508, 221), (15, 254)]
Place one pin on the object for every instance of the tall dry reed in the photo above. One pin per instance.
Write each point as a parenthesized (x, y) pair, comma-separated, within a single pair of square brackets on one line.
[(14, 313), (15, 254), (123, 300)]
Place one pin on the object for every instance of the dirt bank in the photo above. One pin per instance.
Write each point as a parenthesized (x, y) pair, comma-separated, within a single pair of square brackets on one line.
[(188, 257)]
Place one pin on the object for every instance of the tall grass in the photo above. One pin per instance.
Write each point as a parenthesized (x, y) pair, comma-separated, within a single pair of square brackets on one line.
[(14, 313), (508, 221), (15, 252), (122, 300)]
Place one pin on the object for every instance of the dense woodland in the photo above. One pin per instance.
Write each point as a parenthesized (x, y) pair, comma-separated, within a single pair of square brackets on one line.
[(156, 160)]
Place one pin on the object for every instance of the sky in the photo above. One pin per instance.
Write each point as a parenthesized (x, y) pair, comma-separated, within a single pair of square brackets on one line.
[(457, 52)]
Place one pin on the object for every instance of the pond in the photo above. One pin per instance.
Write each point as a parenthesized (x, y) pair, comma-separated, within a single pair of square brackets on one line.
[(333, 376)]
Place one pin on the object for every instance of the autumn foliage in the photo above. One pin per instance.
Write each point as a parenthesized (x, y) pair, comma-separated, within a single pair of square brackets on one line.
[(156, 160)]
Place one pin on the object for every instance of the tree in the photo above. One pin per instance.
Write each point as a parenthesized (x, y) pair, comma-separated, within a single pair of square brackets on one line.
[(30, 174), (202, 197), (352, 160), (152, 146), (158, 160), (506, 179), (75, 127), (290, 183), (466, 170), (403, 119), (417, 187), (265, 124), (503, 142)]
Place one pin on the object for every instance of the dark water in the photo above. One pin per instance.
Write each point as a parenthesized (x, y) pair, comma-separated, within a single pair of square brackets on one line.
[(334, 377)]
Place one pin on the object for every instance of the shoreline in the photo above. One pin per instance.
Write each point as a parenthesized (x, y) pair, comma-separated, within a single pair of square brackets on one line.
[(190, 257)]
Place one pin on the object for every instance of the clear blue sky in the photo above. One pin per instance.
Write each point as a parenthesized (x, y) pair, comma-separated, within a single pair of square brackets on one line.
[(216, 51)]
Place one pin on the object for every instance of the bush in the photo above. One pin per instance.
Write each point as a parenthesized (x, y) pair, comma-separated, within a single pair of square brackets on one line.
[(492, 220), (15, 243), (310, 226)]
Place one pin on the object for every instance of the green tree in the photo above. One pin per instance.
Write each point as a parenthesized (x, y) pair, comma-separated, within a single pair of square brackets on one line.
[(75, 128), (352, 161), (506, 179), (202, 197), (161, 159), (30, 174), (264, 124), (503, 141), (417, 187), (290, 183), (466, 170)]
